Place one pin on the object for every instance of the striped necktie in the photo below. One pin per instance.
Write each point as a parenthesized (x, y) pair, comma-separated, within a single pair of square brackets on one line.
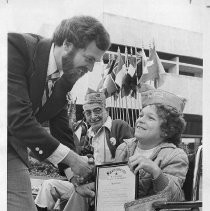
[(50, 82)]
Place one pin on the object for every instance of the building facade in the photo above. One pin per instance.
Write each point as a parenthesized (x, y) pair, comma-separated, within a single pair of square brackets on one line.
[(180, 52)]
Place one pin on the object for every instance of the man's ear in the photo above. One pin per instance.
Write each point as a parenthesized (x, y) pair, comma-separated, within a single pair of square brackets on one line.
[(68, 46)]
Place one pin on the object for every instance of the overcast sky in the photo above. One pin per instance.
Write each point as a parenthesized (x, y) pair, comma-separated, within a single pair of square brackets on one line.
[(29, 14), (41, 16)]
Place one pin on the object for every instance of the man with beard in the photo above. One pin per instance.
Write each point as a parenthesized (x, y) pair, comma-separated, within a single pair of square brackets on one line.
[(40, 73), (105, 135)]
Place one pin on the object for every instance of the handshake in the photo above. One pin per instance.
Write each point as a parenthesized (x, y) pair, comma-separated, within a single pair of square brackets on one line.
[(84, 173)]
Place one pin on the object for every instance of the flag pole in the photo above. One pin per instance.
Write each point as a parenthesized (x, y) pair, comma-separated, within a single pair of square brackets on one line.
[(113, 112), (115, 103), (120, 105), (112, 116), (132, 116), (117, 108), (137, 87), (126, 65), (150, 46), (131, 51), (134, 110), (122, 109), (137, 94), (136, 113), (127, 111)]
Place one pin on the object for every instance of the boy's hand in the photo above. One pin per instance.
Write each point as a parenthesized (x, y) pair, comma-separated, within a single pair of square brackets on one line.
[(86, 190)]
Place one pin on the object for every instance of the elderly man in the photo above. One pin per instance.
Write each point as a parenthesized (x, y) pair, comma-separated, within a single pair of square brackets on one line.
[(105, 135)]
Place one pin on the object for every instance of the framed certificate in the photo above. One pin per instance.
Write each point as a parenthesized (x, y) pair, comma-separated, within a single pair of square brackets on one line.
[(115, 185)]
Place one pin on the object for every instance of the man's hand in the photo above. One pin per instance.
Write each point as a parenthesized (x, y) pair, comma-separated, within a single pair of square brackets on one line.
[(87, 190), (80, 180), (81, 165)]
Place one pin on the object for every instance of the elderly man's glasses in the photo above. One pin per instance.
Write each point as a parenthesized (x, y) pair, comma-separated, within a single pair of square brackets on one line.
[(95, 111)]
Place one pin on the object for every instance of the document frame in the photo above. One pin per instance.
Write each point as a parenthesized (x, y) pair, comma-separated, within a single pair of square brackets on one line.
[(145, 203), (110, 169)]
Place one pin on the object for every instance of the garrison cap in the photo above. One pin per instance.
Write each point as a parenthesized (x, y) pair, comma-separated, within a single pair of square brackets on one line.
[(163, 97), (94, 97)]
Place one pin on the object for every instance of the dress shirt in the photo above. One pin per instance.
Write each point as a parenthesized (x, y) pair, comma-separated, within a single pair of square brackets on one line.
[(52, 67), (60, 153)]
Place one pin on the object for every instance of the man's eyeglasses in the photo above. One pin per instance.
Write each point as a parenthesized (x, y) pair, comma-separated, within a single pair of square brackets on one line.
[(95, 111)]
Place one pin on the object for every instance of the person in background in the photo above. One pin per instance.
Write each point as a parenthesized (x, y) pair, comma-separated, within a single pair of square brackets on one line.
[(40, 73), (105, 135), (154, 152), (53, 193)]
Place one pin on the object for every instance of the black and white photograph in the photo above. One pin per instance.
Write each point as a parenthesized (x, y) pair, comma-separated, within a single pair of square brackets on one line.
[(104, 105)]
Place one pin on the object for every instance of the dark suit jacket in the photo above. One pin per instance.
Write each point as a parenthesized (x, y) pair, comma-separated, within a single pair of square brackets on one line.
[(26, 80)]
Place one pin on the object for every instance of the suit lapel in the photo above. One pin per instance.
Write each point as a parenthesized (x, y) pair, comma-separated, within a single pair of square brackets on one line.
[(112, 147), (55, 103), (39, 73)]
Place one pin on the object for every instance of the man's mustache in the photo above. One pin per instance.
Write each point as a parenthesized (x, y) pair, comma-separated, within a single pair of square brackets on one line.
[(95, 120)]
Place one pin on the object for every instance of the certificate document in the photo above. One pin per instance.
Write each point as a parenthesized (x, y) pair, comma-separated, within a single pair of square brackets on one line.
[(115, 185)]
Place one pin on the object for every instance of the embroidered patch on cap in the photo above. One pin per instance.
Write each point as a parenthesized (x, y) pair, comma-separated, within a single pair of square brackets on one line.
[(163, 97), (92, 97)]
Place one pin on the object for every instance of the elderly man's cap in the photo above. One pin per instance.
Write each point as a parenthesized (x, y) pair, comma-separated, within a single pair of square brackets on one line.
[(156, 96), (93, 97)]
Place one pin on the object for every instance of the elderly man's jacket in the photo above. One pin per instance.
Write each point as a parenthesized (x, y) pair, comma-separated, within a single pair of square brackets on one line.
[(120, 130), (28, 57)]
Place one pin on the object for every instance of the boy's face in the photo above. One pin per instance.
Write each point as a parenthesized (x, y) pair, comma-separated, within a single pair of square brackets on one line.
[(147, 128)]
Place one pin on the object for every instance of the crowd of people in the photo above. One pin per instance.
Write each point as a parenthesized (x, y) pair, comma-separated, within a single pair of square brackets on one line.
[(40, 73)]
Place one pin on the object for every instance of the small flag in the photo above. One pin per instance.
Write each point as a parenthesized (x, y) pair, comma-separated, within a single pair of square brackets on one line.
[(119, 70), (120, 76), (107, 71), (155, 69), (109, 86)]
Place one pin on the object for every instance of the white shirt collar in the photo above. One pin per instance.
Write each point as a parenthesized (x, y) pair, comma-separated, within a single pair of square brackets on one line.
[(107, 124), (52, 67)]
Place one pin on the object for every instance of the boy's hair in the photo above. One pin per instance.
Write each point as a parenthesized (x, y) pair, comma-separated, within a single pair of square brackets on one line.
[(173, 124), (81, 30)]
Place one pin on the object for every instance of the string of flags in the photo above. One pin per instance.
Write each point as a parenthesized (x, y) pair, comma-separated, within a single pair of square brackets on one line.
[(126, 76), (123, 79)]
